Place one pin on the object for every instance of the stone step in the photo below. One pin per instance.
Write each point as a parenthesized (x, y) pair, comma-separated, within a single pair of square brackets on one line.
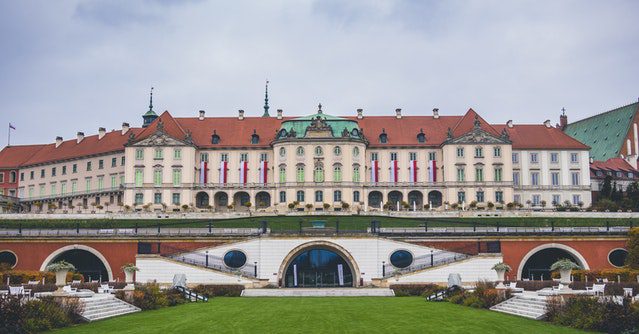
[(102, 307), (519, 310), (319, 292), (521, 306), (528, 303), (110, 315), (107, 309)]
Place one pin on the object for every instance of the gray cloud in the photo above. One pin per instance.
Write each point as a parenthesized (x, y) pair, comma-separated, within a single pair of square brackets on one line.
[(78, 65)]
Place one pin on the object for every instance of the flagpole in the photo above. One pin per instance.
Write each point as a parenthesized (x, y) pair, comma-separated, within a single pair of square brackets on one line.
[(9, 136)]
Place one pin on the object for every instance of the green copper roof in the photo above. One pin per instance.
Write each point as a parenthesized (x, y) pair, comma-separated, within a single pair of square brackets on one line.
[(337, 125), (604, 133)]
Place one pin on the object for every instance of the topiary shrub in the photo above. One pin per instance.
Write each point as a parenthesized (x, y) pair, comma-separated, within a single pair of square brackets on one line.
[(149, 297)]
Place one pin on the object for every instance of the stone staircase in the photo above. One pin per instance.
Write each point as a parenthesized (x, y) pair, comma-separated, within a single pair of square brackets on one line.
[(533, 307), (320, 292), (102, 306)]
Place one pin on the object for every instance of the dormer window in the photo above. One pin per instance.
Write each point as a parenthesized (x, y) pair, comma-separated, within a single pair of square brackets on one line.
[(383, 137), (255, 138), (215, 139), (421, 137)]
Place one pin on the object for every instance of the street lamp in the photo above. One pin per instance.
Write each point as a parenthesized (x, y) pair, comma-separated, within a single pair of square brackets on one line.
[(255, 268), (383, 268), (207, 259)]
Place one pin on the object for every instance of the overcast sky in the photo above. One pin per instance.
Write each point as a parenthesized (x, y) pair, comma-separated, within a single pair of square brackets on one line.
[(68, 66)]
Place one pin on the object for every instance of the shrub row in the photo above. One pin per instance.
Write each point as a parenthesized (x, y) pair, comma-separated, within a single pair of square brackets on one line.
[(612, 288), (222, 290), (37, 315), (484, 296), (420, 290), (596, 315), (625, 274), (150, 297)]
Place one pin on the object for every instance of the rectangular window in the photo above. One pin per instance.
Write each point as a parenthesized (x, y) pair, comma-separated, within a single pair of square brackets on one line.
[(374, 156), (412, 156), (282, 175), (87, 185), (460, 152), (100, 183), (432, 156), (480, 196), (536, 200), (157, 198), (53, 189), (479, 174), (534, 158), (461, 197), (41, 173), (282, 196), (114, 181), (63, 188), (554, 157), (300, 174), (177, 177), (32, 175), (319, 196), (556, 199), (393, 156), (515, 158), (497, 152), (337, 174), (337, 196), (355, 173), (157, 177), (139, 154), (121, 179), (139, 199), (159, 154), (64, 170), (100, 164), (575, 178), (74, 168), (122, 161), (243, 156), (1, 177), (460, 174), (204, 157), (356, 196), (516, 180), (53, 171), (576, 199), (534, 178), (499, 196), (31, 190), (89, 167), (574, 158), (517, 199), (498, 174), (554, 178), (175, 199), (300, 196), (21, 176), (224, 157), (479, 152), (263, 157), (139, 177), (42, 189), (177, 154), (74, 187), (114, 162)]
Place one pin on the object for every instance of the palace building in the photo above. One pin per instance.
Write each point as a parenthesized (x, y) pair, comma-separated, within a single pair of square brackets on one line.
[(316, 162)]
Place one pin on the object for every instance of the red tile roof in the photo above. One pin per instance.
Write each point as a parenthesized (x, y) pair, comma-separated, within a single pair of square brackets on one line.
[(403, 131), (467, 123), (171, 127), (14, 156), (538, 136), (232, 131), (612, 164), (111, 142)]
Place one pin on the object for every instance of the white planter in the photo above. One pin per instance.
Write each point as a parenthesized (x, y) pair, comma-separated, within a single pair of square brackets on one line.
[(61, 277), (128, 276), (565, 275), (500, 277)]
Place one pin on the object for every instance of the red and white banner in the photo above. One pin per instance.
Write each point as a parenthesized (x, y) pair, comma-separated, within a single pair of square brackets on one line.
[(432, 171), (243, 172), (204, 172), (263, 172), (412, 171), (374, 171), (224, 167), (394, 171)]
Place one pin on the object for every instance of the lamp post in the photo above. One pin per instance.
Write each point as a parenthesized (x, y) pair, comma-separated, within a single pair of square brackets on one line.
[(255, 269), (207, 259), (383, 268), (431, 258)]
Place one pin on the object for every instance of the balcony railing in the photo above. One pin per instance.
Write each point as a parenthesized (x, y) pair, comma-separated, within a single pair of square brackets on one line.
[(72, 194), (333, 184)]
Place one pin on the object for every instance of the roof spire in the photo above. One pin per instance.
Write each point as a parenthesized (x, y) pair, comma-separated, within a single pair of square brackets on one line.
[(319, 108), (563, 111), (266, 101), (151, 100), (150, 115)]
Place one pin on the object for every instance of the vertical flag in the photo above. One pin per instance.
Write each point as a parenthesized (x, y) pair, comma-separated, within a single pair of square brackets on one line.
[(432, 171), (263, 172), (374, 171), (394, 171), (203, 172), (243, 171), (412, 170), (223, 172)]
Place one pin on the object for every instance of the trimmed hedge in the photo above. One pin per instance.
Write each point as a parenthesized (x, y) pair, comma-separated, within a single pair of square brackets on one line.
[(625, 274), (594, 315), (415, 290), (219, 290)]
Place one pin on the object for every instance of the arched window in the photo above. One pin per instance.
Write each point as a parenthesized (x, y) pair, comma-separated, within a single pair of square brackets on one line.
[(282, 152), (337, 173), (355, 151), (215, 139), (282, 174), (300, 196), (318, 174), (337, 151), (319, 196), (299, 175), (421, 137), (255, 139), (300, 151), (383, 137), (356, 177), (318, 151), (12, 177)]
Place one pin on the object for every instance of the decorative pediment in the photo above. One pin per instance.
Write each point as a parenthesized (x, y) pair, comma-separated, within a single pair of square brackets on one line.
[(319, 128), (160, 138), (478, 136)]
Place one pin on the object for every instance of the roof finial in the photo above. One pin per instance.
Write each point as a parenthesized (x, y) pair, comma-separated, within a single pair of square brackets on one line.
[(151, 100), (319, 108), (563, 111), (266, 114)]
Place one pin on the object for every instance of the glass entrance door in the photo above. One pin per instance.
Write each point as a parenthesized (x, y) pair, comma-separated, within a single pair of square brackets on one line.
[(317, 268)]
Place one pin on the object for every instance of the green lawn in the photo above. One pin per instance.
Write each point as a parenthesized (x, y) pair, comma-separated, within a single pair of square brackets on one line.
[(318, 315), (280, 223)]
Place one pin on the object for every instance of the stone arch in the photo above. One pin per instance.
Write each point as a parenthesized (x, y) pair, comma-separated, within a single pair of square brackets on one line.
[(262, 200), (577, 256), (375, 199), (394, 197), (221, 200), (240, 198), (416, 197), (435, 198), (320, 244), (201, 200), (91, 250)]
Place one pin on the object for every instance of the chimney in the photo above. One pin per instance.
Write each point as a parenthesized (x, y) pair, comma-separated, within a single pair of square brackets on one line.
[(240, 115), (360, 113), (58, 140), (201, 118), (509, 123), (80, 137), (398, 113), (563, 119), (547, 123), (101, 133), (279, 113), (436, 113), (125, 128)]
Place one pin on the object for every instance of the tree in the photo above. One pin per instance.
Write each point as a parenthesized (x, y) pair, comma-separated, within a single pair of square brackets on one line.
[(606, 188), (615, 194), (632, 193), (632, 259)]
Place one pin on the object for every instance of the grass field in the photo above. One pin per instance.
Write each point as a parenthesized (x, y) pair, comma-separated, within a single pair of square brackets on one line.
[(279, 223), (318, 315)]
